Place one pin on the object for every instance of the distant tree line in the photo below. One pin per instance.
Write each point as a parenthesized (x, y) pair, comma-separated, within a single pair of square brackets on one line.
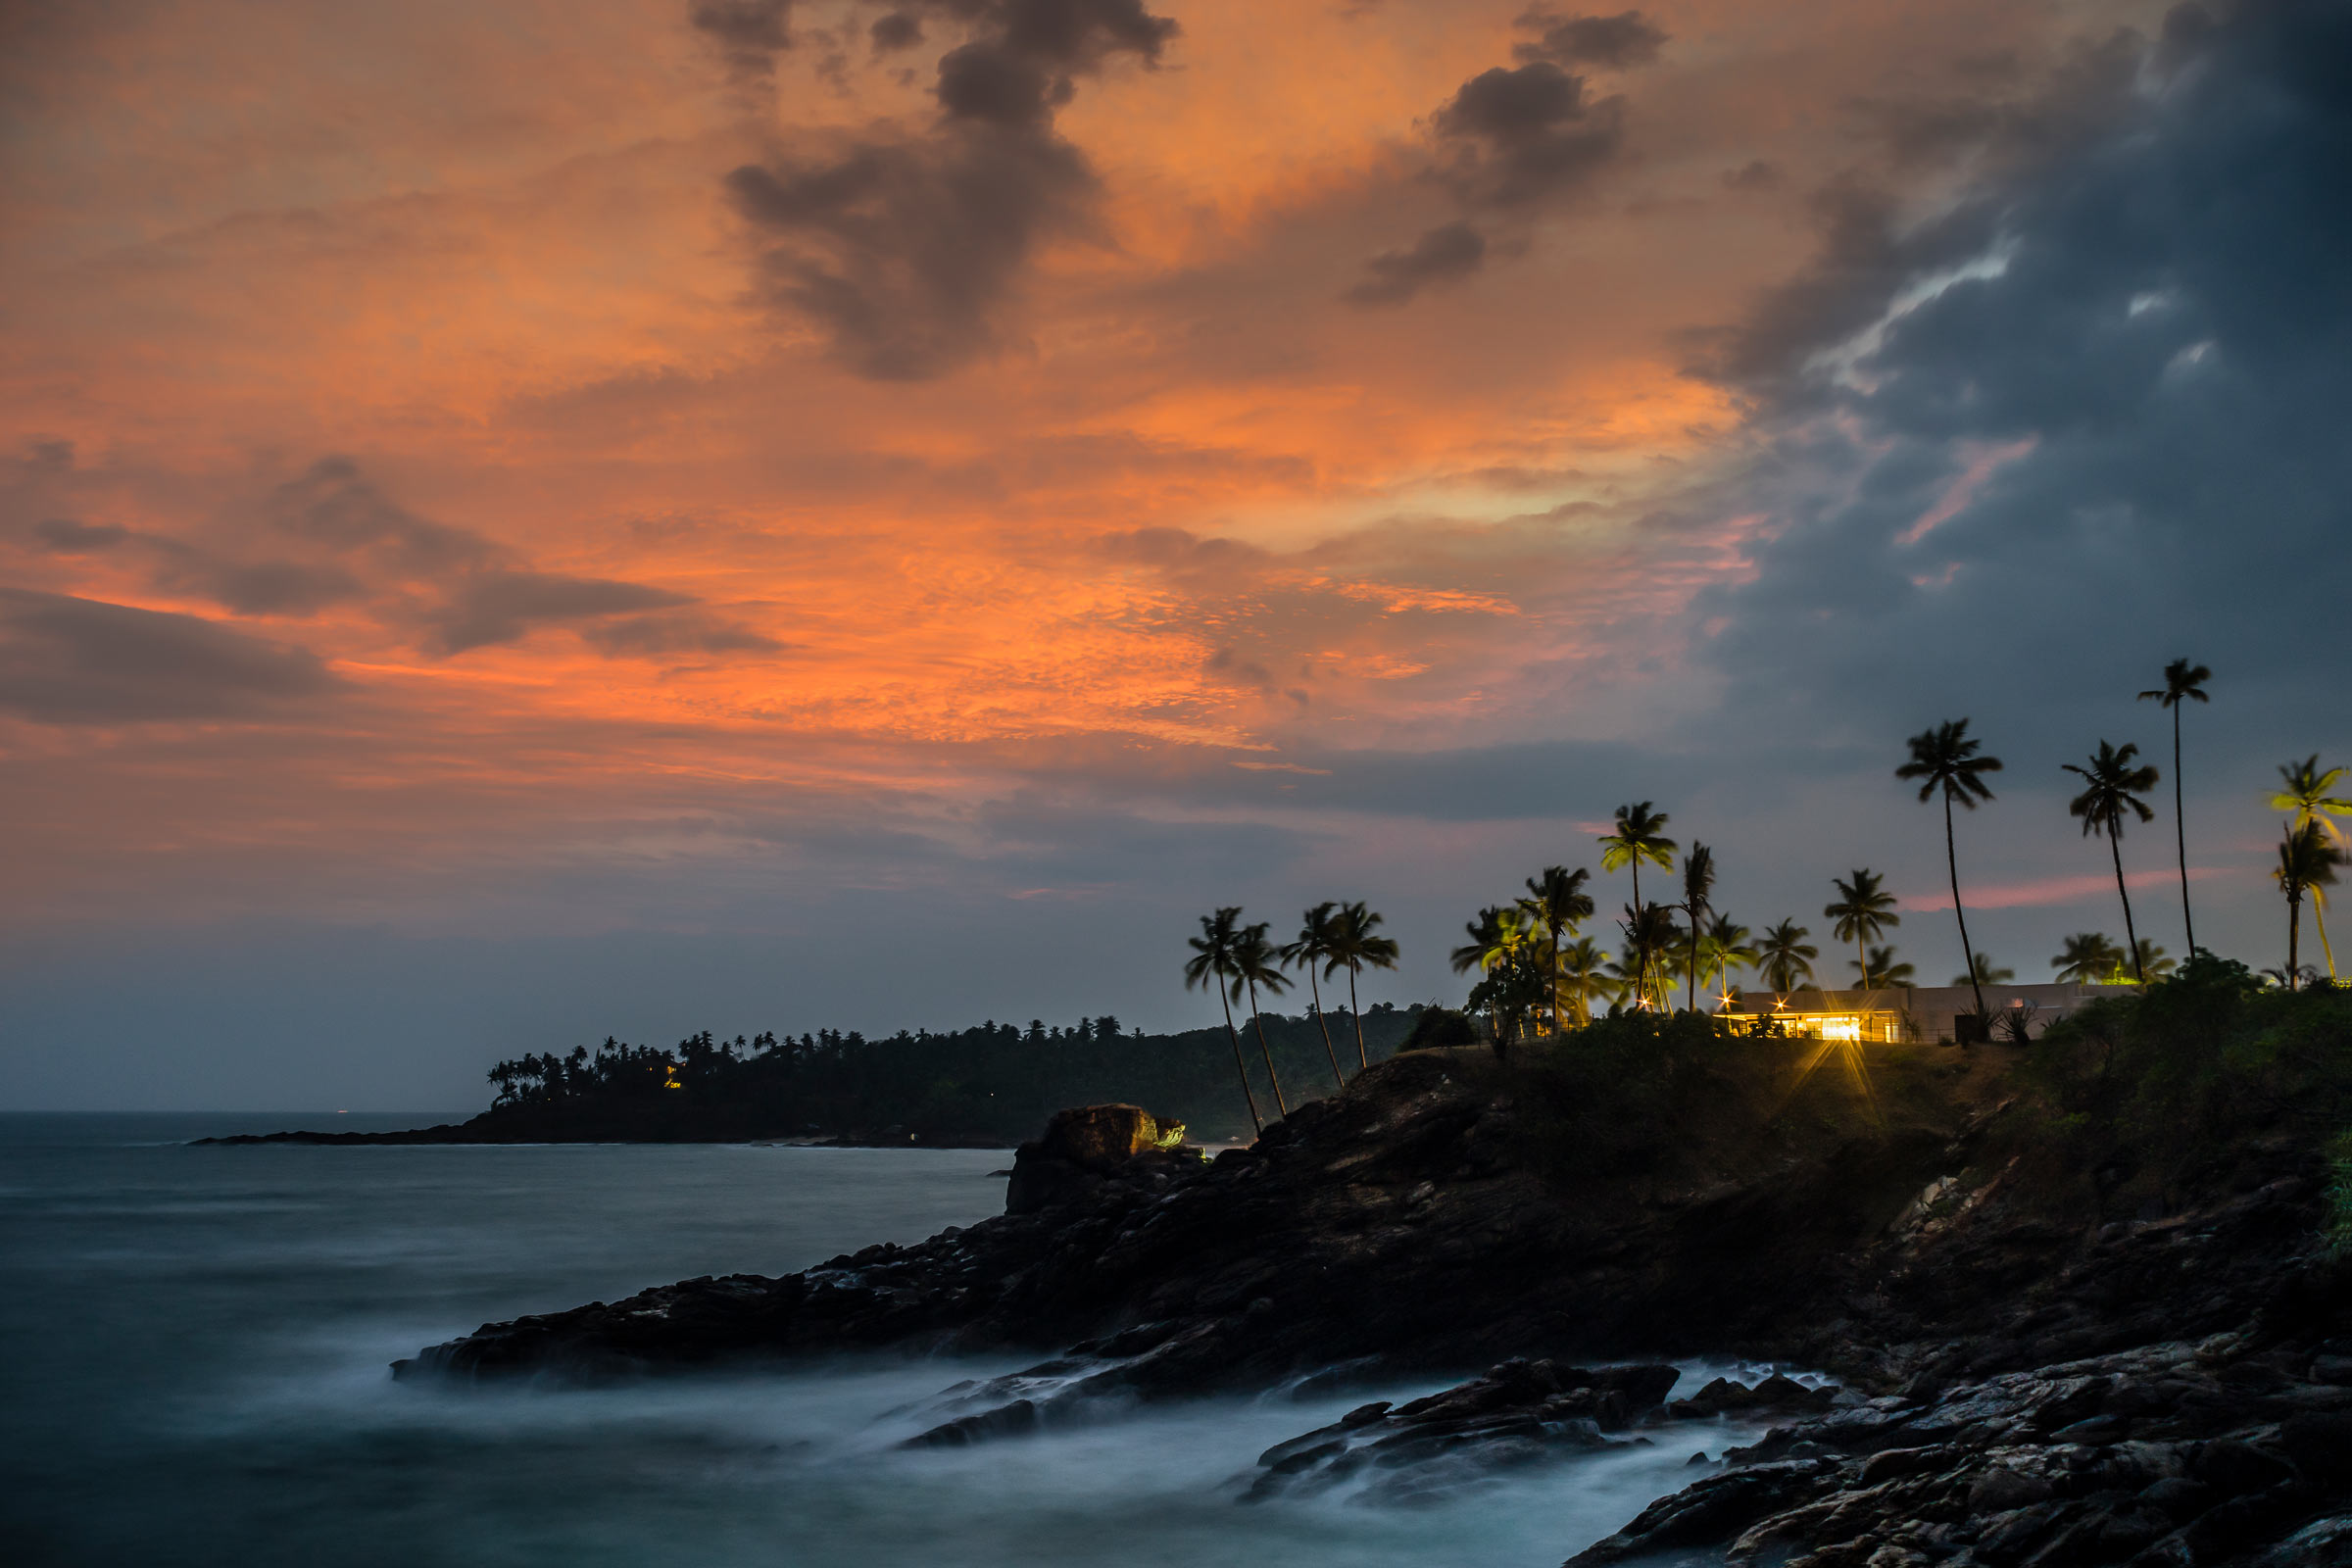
[(993, 1082)]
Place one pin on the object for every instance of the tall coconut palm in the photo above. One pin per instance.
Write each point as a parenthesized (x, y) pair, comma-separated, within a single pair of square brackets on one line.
[(1317, 929), (1724, 947), (2112, 791), (1698, 884), (1879, 970), (1213, 965), (2090, 957), (1987, 971), (1357, 944), (1581, 974), (2184, 682), (1498, 937), (1256, 962), (1863, 911), (1638, 837), (2307, 862), (1786, 956), (1944, 758), (1559, 903), (1650, 932), (2306, 799)]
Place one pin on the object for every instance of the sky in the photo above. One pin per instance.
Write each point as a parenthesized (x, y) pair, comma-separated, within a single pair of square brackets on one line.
[(520, 522)]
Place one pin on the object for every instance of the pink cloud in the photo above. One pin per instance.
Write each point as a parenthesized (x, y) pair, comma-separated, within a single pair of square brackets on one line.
[(2055, 889)]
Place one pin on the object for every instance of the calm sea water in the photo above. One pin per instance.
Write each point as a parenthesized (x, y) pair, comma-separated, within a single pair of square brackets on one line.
[(193, 1344)]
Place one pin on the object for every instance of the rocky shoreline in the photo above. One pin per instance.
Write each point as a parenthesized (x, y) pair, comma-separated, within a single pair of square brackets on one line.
[(2015, 1384)]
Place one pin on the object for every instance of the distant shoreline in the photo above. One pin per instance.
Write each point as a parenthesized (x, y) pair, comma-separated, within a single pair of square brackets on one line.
[(470, 1132)]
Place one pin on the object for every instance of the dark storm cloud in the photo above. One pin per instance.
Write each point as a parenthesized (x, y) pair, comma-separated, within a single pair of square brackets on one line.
[(1510, 140), (66, 661), (1442, 254), (505, 607), (336, 506), (674, 634), (64, 536), (899, 30), (906, 249), (750, 33), (2089, 421), (1611, 43)]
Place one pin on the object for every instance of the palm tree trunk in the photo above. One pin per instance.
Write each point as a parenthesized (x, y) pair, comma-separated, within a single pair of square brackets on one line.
[(1357, 1014), (1553, 980), (2318, 917), (1260, 1020), (2180, 834), (2294, 922), (1641, 951), (1317, 992), (2115, 845), (1951, 862), (1690, 984), (1255, 1124)]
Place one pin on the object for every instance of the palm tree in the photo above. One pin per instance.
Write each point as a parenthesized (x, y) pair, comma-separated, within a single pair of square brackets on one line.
[(1723, 949), (1559, 901), (1582, 972), (1879, 971), (1256, 962), (2089, 957), (2306, 797), (1638, 837), (2184, 682), (1649, 930), (1212, 965), (1986, 970), (1786, 956), (1313, 946), (2307, 862), (2112, 792), (1494, 939), (1355, 942), (1863, 911), (1945, 759), (2151, 961), (1698, 881)]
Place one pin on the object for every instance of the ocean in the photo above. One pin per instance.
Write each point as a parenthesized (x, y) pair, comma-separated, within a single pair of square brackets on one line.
[(193, 1370)]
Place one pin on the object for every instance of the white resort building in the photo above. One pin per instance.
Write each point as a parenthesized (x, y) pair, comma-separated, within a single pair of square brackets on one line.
[(1924, 1013)]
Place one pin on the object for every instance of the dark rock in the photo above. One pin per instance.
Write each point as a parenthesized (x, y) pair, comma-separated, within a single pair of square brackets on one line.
[(1086, 1148)]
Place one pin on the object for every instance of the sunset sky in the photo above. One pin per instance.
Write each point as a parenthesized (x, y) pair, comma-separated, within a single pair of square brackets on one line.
[(523, 522)]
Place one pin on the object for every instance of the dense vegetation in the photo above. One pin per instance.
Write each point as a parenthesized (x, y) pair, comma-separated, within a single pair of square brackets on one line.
[(997, 1082)]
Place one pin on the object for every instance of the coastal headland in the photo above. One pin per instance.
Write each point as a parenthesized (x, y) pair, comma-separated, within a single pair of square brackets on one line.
[(2077, 1301)]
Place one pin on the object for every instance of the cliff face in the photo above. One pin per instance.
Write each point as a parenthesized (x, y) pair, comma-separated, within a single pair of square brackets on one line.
[(1403, 1224), (2009, 1343)]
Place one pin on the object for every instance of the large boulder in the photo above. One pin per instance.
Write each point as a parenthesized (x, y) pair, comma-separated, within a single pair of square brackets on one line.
[(1083, 1147)]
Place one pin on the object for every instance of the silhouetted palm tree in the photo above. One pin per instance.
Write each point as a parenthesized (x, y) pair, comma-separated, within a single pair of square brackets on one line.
[(1559, 902), (1786, 956), (1986, 970), (1581, 974), (1863, 911), (1317, 929), (2306, 799), (1650, 932), (1724, 948), (1357, 944), (1698, 883), (1213, 965), (1945, 759), (1879, 971), (2152, 963), (1257, 962), (2112, 793), (2184, 682), (1494, 937), (2307, 862), (1636, 839), (2089, 957)]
